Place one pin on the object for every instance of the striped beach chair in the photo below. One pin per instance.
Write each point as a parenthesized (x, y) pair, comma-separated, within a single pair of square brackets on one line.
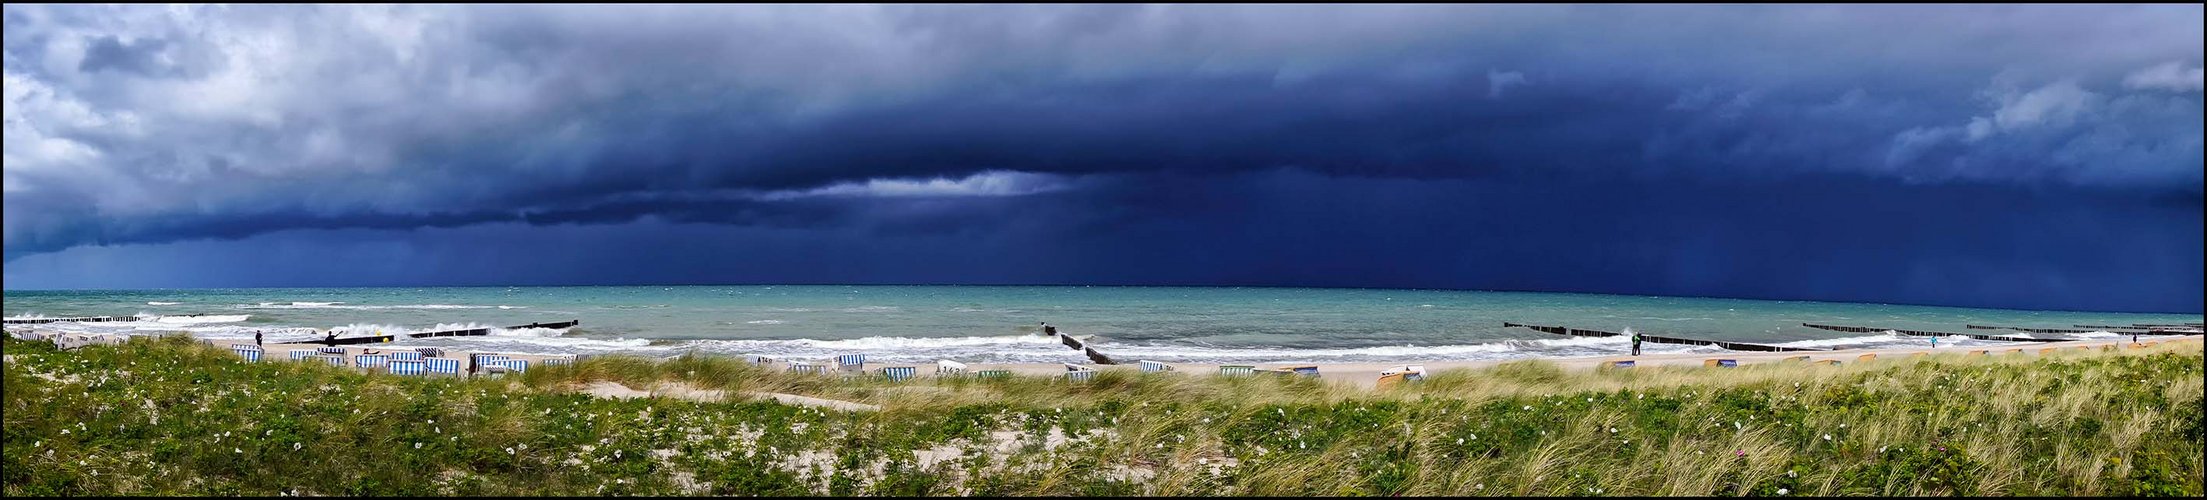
[(1078, 373), (400, 367), (251, 354), (371, 360), (851, 362), (330, 350), (1236, 370), (429, 351), (485, 359), (1621, 364), (442, 365), (558, 361), (992, 374), (333, 360), (1155, 367), (899, 373), (806, 367), (948, 368), (511, 365), (1720, 363), (406, 356), (301, 354)]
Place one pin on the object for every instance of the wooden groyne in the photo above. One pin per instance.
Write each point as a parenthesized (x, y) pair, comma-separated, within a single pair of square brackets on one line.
[(81, 319), (1083, 347), (2032, 330), (1922, 333), (1736, 346)]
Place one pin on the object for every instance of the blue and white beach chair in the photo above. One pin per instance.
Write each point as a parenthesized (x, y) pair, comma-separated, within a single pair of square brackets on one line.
[(992, 374), (485, 359), (252, 354), (1621, 364), (301, 354), (442, 365), (851, 362), (1236, 370), (406, 356), (1077, 373), (948, 368), (333, 360), (807, 367), (330, 350), (1154, 367), (512, 365), (899, 373), (371, 360), (399, 367), (558, 361)]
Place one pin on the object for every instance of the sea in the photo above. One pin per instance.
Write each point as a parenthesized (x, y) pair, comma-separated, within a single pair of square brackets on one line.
[(999, 324)]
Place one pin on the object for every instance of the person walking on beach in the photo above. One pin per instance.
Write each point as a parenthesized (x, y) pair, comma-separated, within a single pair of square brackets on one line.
[(256, 337), (1636, 343)]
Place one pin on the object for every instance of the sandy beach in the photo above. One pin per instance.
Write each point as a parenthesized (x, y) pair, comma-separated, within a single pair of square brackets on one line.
[(1367, 374)]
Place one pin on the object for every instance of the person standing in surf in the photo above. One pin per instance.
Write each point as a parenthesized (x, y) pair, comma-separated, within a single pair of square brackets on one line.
[(1934, 342), (256, 337), (1636, 343)]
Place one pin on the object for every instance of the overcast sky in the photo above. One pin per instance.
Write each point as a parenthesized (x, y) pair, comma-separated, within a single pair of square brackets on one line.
[(2002, 156)]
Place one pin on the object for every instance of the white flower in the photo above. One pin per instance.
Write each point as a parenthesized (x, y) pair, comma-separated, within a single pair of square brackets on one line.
[(1613, 430), (1459, 440), (1528, 407), (1479, 486), (65, 432), (1783, 491), (417, 445), (295, 446), (1827, 437), (237, 450)]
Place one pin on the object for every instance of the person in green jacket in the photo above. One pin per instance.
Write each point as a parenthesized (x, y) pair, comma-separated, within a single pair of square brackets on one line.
[(1636, 343)]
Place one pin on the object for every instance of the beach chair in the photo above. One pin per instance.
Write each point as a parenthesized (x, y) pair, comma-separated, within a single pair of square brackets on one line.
[(399, 367), (431, 352), (442, 366), (851, 362), (992, 374), (1802, 359), (1621, 364), (333, 360), (899, 373), (371, 360), (301, 354), (486, 359), (252, 354), (1865, 358), (330, 350), (1979, 352), (1826, 362), (1236, 370), (1307, 371), (512, 365), (808, 367), (1154, 367), (1720, 363), (1399, 375), (948, 368), (1078, 373), (406, 356), (757, 360), (558, 361)]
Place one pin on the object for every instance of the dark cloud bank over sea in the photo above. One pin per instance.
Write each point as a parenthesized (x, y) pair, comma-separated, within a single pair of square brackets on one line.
[(2041, 157)]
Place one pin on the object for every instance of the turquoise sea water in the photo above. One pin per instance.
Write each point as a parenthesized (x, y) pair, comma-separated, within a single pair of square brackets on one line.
[(991, 323)]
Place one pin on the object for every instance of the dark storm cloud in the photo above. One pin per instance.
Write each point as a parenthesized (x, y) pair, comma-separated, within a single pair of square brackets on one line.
[(130, 124)]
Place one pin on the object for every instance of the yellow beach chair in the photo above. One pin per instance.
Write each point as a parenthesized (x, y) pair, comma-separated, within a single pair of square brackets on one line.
[(1864, 358)]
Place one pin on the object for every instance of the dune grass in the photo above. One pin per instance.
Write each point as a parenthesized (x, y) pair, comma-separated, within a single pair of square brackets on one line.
[(169, 416)]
